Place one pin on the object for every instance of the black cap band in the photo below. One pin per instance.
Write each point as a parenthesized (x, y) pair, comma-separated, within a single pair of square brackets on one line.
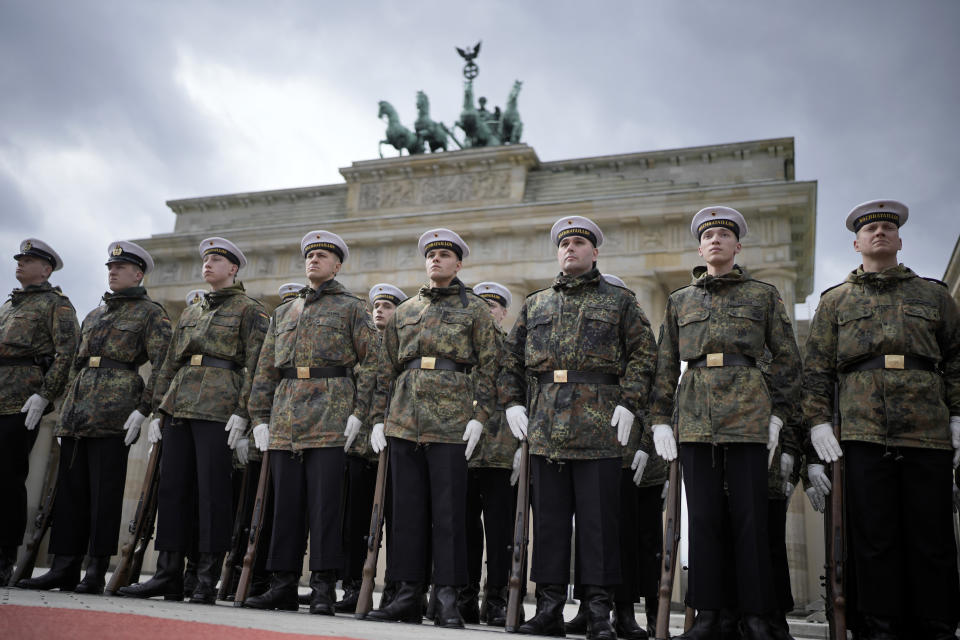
[(577, 231), (220, 251), (37, 253), (389, 297), (875, 216), (326, 246), (720, 222), (496, 297), (132, 258), (289, 296), (443, 244)]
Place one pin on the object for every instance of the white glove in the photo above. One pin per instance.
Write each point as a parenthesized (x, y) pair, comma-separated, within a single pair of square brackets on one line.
[(378, 441), (788, 488), (955, 439), (773, 437), (517, 419), (153, 432), (243, 450), (623, 421), (261, 436), (515, 473), (236, 426), (639, 463), (825, 442), (817, 500), (818, 478), (471, 435), (786, 468), (353, 428), (132, 426), (34, 407), (664, 441)]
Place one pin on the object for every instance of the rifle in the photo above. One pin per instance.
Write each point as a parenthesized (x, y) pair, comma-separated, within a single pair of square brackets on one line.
[(237, 540), (518, 561), (365, 599), (256, 527), (42, 521), (671, 542), (141, 526), (836, 541)]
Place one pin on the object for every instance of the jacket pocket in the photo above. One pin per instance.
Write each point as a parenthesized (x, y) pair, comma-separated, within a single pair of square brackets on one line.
[(599, 337)]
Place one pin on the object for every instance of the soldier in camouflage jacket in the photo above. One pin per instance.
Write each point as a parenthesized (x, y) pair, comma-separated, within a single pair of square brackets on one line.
[(106, 396), (38, 340), (589, 346), (429, 349), (730, 415), (202, 389), (308, 410), (891, 340)]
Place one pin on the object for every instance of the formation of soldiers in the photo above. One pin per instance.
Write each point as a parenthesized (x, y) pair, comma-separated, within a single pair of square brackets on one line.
[(328, 381)]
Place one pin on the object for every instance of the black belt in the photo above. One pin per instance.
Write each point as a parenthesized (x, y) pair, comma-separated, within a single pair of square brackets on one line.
[(562, 376), (723, 360), (304, 373), (428, 362), (891, 362), (18, 362), (100, 362), (198, 360)]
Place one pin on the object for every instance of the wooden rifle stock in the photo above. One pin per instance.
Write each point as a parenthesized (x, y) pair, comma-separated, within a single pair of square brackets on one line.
[(131, 554), (671, 542), (41, 524), (836, 543), (374, 535), (237, 540), (256, 527), (518, 558)]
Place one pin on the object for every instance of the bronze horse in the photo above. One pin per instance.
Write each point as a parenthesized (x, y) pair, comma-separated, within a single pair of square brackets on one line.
[(434, 134), (398, 135), (477, 132), (511, 127)]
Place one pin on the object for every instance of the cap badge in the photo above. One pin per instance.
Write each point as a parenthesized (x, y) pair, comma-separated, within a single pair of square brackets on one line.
[(117, 251), (27, 245)]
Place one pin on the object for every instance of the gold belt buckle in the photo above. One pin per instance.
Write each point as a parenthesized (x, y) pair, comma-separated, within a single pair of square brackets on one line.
[(893, 362), (428, 362), (560, 375), (94, 362), (196, 360), (303, 373), (714, 359)]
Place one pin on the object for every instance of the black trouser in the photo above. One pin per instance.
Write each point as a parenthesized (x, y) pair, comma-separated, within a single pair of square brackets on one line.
[(361, 484), (780, 567), (489, 492), (196, 467), (589, 490), (900, 522), (307, 494), (15, 445), (90, 480), (641, 539), (726, 488), (429, 501)]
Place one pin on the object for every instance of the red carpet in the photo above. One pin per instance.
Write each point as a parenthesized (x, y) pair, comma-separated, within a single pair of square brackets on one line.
[(50, 623)]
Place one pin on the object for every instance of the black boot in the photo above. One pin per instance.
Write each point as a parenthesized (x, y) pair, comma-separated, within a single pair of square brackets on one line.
[(430, 612), (282, 594), (95, 578), (549, 618), (351, 593), (208, 574), (650, 606), (323, 592), (938, 630), (166, 582), (706, 626), (875, 628), (729, 624), (626, 623), (468, 603), (389, 593), (406, 605), (777, 626), (578, 623), (447, 614), (494, 611), (190, 575), (259, 585), (598, 622), (64, 574), (8, 558)]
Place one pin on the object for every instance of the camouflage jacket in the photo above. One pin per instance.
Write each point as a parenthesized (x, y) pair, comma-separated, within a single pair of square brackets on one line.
[(228, 325), (128, 327), (435, 405), (497, 444), (323, 328), (887, 313), (581, 323), (730, 313), (361, 444), (657, 469), (36, 322)]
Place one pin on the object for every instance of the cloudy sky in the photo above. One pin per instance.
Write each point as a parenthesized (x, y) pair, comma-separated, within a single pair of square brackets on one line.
[(111, 107)]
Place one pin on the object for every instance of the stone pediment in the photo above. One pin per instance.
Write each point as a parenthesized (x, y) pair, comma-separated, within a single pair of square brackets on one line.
[(489, 175)]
